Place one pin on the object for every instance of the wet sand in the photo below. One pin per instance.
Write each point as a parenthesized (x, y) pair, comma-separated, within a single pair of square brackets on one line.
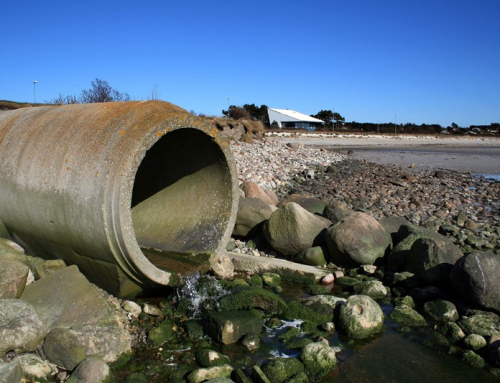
[(462, 154)]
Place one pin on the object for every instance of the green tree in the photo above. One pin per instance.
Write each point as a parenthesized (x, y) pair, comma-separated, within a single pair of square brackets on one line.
[(326, 116)]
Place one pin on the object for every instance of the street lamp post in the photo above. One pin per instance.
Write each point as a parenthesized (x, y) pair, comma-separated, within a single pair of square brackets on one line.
[(34, 92)]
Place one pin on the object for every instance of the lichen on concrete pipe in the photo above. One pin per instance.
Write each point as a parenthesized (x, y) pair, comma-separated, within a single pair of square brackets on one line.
[(136, 194)]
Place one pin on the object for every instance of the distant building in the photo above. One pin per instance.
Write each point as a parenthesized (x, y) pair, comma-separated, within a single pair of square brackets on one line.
[(286, 118)]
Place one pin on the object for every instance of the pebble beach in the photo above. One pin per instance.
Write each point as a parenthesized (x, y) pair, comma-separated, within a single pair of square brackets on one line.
[(457, 204)]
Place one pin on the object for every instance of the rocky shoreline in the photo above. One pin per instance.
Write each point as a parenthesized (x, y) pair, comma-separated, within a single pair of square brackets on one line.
[(383, 236)]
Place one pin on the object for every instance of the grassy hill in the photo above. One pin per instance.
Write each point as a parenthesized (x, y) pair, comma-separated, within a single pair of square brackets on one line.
[(10, 105)]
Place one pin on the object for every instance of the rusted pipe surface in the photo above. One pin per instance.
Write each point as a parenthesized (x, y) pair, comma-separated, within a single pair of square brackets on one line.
[(94, 184)]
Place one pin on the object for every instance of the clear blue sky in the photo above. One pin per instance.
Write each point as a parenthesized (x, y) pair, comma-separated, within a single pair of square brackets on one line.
[(426, 61)]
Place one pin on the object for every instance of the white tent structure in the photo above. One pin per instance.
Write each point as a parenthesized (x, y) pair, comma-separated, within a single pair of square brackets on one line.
[(286, 118)]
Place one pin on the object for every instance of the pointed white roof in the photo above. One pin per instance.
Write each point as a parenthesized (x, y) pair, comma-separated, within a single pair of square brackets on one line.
[(292, 115)]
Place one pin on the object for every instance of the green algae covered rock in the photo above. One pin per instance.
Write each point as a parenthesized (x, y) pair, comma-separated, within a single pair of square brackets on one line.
[(280, 370), (407, 316), (297, 310), (243, 298), (319, 358), (361, 317), (160, 334)]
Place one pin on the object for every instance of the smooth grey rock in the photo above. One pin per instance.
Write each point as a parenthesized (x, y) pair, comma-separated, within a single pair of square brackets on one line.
[(476, 277), (357, 240), (432, 260), (291, 229), (93, 369), (252, 213), (13, 277), (361, 317), (66, 298), (21, 329), (319, 358), (67, 347)]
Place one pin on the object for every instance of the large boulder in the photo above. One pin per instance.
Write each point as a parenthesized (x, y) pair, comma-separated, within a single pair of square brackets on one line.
[(357, 240), (21, 329), (68, 347), (292, 228), (66, 298), (405, 238), (252, 212), (361, 317), (311, 204), (476, 278), (432, 260)]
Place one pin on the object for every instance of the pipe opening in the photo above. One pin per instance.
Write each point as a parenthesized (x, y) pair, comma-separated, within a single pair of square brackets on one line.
[(181, 200)]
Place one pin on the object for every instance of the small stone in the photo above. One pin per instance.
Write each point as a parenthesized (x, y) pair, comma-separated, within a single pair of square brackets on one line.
[(132, 308), (328, 279)]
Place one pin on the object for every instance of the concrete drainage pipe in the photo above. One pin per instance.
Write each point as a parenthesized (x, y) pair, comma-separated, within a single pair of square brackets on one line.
[(135, 193)]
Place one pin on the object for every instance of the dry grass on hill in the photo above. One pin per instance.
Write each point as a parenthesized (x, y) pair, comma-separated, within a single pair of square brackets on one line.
[(248, 129)]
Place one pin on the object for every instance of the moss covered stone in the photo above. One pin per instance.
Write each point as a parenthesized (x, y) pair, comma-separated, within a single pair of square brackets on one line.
[(407, 316), (297, 310), (481, 323), (271, 279), (256, 280), (440, 310), (229, 326), (160, 334), (319, 358), (280, 369), (347, 281), (207, 358), (474, 342), (361, 317), (472, 359), (252, 297), (451, 331)]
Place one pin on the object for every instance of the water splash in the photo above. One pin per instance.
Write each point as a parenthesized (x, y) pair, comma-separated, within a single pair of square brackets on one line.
[(199, 294)]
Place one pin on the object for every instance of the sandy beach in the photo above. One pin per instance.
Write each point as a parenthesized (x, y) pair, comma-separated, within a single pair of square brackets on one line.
[(477, 155)]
